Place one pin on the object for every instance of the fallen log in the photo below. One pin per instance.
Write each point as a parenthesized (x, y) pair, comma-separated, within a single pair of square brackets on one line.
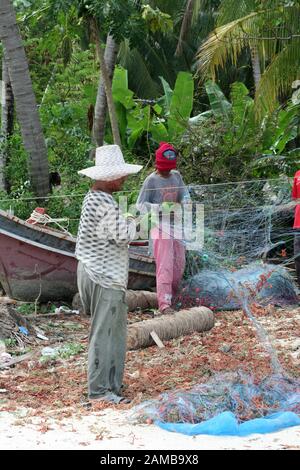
[(140, 299), (135, 300), (184, 322)]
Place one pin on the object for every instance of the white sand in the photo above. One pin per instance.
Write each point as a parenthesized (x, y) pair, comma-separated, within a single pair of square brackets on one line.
[(111, 429)]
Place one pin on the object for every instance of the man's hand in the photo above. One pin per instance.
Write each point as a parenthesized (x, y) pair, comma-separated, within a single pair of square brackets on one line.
[(128, 215), (167, 206), (149, 220)]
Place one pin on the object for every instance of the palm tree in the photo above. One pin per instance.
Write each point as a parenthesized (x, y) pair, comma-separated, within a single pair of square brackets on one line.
[(152, 55), (105, 77), (7, 122), (110, 57), (26, 105), (190, 17), (104, 101), (271, 33), (164, 53), (229, 11)]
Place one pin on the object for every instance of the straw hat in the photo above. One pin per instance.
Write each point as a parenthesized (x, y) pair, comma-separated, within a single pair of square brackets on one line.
[(110, 165)]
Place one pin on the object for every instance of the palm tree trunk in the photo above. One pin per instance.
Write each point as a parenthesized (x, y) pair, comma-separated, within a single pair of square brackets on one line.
[(107, 85), (26, 105), (7, 123), (255, 66), (185, 26), (184, 322), (110, 57)]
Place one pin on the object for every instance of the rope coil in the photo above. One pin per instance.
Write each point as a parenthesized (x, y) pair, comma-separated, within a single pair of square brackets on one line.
[(40, 217)]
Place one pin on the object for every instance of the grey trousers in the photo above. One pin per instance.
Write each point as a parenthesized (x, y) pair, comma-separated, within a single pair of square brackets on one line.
[(108, 334)]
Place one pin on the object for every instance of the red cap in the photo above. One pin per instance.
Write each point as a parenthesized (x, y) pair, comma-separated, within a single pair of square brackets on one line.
[(163, 162)]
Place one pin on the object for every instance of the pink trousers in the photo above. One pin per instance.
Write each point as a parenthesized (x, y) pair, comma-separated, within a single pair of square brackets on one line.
[(169, 256)]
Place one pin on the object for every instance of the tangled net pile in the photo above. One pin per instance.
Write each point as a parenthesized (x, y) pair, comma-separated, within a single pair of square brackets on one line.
[(229, 395), (248, 245), (232, 391), (246, 224)]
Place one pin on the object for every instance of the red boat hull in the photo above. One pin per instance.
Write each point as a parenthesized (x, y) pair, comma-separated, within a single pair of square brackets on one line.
[(29, 272), (37, 263)]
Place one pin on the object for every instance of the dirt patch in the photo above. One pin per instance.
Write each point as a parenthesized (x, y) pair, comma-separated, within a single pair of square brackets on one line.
[(54, 388)]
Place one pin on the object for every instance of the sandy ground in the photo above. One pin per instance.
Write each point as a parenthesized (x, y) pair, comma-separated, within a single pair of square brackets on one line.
[(39, 403), (111, 429)]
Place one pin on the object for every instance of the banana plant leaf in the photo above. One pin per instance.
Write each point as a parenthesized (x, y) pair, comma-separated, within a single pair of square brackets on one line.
[(139, 121), (167, 98), (218, 102), (120, 90), (181, 105)]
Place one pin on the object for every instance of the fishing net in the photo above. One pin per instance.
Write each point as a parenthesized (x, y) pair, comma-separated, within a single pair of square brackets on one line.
[(228, 290), (247, 253), (247, 258), (231, 403)]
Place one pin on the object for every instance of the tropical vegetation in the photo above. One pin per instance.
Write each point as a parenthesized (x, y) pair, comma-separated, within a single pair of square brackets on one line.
[(220, 79)]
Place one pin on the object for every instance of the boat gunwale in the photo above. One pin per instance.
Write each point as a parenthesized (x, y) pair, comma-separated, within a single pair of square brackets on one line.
[(52, 231), (133, 255), (36, 244), (38, 228)]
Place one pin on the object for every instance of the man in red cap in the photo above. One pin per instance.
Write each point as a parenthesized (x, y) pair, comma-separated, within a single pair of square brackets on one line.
[(162, 192)]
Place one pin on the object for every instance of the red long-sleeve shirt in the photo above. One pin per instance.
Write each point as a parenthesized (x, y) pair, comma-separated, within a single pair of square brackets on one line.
[(296, 195)]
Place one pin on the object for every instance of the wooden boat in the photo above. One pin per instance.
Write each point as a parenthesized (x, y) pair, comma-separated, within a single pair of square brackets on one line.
[(38, 262)]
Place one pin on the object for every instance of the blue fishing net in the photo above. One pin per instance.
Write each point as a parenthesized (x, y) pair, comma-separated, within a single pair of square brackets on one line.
[(229, 404), (223, 289), (247, 253), (248, 247)]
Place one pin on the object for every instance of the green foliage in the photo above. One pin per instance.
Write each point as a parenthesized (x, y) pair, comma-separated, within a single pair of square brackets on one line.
[(21, 198), (30, 308), (159, 123), (230, 144), (287, 129), (244, 131), (26, 309), (64, 352), (156, 20), (218, 102), (282, 154), (166, 99), (121, 18), (225, 142), (271, 31), (121, 93), (10, 343), (68, 204), (181, 105), (64, 115), (70, 349), (67, 50)]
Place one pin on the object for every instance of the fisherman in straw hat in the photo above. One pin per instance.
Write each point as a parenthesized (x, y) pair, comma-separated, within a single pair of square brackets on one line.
[(102, 253)]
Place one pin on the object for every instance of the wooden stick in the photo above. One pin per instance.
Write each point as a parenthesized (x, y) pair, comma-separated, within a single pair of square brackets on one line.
[(16, 360), (157, 340)]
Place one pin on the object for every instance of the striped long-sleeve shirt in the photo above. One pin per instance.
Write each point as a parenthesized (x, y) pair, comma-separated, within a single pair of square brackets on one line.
[(102, 241)]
